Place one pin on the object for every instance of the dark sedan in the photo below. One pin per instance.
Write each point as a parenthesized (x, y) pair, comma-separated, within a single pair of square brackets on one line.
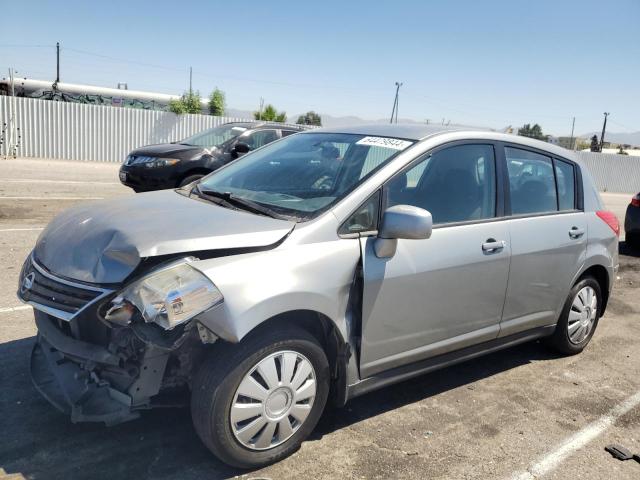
[(171, 165), (632, 222)]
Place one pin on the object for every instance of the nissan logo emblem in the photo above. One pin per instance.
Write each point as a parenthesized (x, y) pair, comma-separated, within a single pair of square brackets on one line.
[(27, 282)]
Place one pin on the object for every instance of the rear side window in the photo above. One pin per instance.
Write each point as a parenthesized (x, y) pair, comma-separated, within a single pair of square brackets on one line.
[(565, 176), (455, 184), (259, 138), (531, 181)]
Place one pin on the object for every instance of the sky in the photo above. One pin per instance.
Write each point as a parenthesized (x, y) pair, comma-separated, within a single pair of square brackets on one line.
[(475, 62)]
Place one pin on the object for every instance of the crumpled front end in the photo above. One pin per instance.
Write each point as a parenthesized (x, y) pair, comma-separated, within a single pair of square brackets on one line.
[(96, 371)]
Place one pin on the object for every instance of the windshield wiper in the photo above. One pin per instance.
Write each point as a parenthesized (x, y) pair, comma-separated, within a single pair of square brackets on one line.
[(239, 202)]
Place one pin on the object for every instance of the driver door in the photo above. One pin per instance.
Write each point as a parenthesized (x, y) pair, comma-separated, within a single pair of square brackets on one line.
[(447, 292)]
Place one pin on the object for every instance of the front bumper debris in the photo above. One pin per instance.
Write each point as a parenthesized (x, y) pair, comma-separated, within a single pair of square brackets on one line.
[(74, 391), (92, 383)]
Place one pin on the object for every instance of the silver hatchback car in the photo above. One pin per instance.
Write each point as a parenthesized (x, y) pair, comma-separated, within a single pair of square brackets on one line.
[(315, 269)]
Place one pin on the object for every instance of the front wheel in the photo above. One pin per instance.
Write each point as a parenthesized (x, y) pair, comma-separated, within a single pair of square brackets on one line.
[(255, 403), (579, 317)]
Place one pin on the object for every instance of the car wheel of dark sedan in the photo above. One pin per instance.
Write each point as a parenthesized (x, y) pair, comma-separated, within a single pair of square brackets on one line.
[(254, 403), (190, 179), (633, 240), (579, 317)]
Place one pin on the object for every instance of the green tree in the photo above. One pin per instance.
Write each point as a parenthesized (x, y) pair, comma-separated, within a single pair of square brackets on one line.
[(217, 102), (190, 102), (310, 118), (532, 132), (270, 114)]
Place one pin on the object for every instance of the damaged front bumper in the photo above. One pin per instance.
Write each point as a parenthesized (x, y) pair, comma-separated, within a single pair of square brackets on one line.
[(92, 383)]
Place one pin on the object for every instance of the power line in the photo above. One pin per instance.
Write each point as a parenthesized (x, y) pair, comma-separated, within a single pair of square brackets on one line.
[(18, 45), (624, 126)]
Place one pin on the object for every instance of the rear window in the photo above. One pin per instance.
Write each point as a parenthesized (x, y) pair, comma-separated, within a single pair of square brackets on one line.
[(565, 176), (531, 182)]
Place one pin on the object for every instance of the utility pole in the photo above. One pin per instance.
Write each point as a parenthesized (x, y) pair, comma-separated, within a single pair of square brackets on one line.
[(604, 127), (573, 124), (190, 81), (11, 131), (57, 62), (261, 107), (394, 110)]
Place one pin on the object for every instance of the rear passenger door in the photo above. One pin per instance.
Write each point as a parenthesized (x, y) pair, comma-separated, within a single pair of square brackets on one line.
[(548, 233)]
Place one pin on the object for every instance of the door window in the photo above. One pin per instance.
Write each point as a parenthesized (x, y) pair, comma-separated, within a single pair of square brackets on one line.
[(259, 138), (565, 177), (455, 184), (531, 181)]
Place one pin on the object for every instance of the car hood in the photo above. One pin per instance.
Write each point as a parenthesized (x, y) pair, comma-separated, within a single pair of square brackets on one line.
[(104, 242), (169, 150)]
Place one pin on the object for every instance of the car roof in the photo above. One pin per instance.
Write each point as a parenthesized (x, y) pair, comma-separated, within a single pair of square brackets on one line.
[(418, 132), (408, 131), (260, 124)]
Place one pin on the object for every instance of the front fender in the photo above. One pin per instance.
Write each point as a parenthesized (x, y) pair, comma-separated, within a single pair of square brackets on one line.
[(261, 285)]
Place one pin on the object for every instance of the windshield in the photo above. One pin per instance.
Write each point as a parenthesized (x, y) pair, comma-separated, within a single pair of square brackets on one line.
[(214, 136), (303, 175)]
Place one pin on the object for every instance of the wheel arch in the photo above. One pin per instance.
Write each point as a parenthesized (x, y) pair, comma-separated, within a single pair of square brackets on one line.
[(324, 330), (601, 274), (194, 171)]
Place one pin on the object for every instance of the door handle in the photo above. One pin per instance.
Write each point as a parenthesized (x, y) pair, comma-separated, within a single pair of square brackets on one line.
[(576, 232), (493, 245)]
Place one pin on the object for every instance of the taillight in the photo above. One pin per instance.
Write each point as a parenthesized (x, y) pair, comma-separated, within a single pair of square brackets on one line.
[(610, 219), (635, 201)]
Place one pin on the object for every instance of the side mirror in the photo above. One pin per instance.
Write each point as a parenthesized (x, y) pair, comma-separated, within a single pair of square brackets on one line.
[(240, 148), (402, 221)]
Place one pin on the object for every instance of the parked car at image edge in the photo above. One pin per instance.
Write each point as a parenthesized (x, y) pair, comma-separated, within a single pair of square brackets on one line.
[(171, 165), (316, 269), (632, 222)]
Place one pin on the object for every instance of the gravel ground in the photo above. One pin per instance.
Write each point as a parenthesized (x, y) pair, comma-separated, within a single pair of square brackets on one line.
[(491, 418)]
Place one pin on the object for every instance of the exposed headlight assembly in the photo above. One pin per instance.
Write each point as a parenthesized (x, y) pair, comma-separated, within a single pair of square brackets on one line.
[(167, 297)]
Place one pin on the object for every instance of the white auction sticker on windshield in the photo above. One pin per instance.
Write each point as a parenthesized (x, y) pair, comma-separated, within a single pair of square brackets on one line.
[(385, 142)]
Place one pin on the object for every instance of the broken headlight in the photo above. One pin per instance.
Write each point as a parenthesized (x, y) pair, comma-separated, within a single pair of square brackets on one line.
[(167, 297)]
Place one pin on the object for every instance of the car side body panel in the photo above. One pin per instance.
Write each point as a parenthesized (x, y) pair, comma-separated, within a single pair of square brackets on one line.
[(318, 278), (544, 260), (433, 295)]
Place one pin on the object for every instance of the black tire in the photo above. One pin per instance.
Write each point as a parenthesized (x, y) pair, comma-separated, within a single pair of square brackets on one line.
[(632, 240), (560, 340), (189, 179), (218, 378)]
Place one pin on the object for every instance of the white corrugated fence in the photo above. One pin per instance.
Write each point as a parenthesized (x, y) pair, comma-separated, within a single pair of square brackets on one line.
[(74, 131), (613, 173)]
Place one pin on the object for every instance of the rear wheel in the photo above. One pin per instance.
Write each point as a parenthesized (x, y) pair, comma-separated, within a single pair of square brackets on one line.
[(255, 403), (632, 239), (190, 179), (579, 317)]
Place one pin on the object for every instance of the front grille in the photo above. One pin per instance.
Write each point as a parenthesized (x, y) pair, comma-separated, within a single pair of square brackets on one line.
[(39, 287)]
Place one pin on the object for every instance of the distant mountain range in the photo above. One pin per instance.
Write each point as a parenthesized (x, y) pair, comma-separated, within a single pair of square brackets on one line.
[(327, 120)]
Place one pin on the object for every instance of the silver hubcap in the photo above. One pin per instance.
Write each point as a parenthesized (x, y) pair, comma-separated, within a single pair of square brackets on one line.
[(582, 315), (273, 400)]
